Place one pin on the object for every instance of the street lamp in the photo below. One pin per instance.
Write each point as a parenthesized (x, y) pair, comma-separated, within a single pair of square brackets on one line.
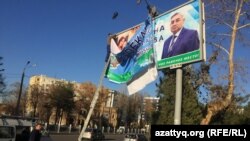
[(20, 90), (151, 9)]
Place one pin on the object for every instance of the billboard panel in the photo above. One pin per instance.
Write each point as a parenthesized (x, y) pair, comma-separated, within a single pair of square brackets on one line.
[(131, 52), (171, 39), (179, 36)]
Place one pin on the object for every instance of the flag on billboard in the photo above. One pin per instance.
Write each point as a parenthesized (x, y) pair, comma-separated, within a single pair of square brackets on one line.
[(132, 56), (144, 78)]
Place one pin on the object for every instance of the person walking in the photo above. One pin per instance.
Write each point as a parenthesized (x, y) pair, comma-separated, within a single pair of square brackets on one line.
[(36, 133), (25, 134)]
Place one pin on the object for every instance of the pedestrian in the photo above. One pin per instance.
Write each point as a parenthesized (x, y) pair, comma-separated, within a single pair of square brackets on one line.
[(36, 133), (25, 134)]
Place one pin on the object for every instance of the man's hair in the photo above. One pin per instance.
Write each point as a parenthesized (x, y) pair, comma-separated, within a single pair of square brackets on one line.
[(38, 123), (177, 13)]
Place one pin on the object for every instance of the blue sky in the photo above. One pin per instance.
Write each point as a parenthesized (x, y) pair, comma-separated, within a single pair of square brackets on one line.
[(66, 39)]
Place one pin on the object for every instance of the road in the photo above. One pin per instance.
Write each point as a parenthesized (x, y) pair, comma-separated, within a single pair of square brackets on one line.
[(74, 137)]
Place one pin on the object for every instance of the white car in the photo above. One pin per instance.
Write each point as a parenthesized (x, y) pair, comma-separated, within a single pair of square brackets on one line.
[(135, 137), (7, 133), (121, 130), (130, 137), (93, 134)]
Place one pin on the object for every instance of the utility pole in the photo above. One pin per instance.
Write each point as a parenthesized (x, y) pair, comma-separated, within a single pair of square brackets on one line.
[(96, 95), (95, 98), (20, 90)]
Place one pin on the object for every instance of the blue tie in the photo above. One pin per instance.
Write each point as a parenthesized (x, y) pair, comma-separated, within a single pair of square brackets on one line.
[(172, 43)]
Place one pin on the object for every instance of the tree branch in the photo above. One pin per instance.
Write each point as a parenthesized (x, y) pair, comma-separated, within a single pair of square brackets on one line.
[(243, 13), (243, 26), (221, 21), (221, 47), (221, 34), (227, 24)]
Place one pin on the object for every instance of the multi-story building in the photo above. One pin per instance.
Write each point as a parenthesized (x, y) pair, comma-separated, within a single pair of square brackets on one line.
[(109, 111), (45, 82), (150, 104)]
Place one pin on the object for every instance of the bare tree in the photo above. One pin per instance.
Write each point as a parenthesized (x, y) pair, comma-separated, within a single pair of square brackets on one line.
[(24, 100), (35, 97), (230, 17), (2, 84), (84, 95), (12, 95)]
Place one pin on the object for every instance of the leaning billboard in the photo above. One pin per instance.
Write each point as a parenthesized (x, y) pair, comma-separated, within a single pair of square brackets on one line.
[(178, 36)]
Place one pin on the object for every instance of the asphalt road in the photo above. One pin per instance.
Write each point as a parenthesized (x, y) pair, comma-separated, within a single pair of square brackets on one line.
[(74, 137)]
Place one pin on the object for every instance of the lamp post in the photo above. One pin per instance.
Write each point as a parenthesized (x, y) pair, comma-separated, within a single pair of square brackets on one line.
[(20, 90), (151, 9)]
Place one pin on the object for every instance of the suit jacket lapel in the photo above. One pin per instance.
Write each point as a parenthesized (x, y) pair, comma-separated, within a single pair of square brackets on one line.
[(167, 45), (179, 40)]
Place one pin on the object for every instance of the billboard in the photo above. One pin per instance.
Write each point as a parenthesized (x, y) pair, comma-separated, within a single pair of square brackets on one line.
[(178, 37), (169, 40), (131, 52)]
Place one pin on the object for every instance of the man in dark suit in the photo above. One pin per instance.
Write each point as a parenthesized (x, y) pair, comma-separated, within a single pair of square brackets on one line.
[(182, 41), (36, 134)]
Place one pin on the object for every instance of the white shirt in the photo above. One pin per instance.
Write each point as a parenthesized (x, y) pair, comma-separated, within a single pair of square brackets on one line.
[(174, 38)]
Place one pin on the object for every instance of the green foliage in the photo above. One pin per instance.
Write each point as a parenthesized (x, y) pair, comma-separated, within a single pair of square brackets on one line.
[(229, 117), (247, 114), (233, 115), (191, 108), (61, 98), (166, 94)]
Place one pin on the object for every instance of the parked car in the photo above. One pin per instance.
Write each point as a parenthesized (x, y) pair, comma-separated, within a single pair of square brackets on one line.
[(121, 130), (7, 133), (135, 137), (93, 134)]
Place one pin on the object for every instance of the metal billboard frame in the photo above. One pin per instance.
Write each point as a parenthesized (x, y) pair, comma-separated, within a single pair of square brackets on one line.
[(185, 58)]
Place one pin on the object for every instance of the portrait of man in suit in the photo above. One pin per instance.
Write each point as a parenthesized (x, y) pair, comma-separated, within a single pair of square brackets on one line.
[(182, 40)]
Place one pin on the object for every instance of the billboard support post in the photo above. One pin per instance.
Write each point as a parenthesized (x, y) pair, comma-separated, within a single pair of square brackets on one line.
[(95, 98), (178, 97)]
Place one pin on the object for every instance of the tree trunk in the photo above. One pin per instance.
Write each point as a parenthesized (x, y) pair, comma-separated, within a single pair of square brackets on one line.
[(218, 106)]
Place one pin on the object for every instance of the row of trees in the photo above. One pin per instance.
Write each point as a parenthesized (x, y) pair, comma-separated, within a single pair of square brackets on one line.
[(212, 91), (64, 99), (58, 98)]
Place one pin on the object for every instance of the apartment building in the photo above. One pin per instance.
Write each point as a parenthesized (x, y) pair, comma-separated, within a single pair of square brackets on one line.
[(150, 104), (44, 83)]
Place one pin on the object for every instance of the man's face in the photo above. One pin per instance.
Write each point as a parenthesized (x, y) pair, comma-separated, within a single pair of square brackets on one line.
[(176, 24), (38, 127)]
